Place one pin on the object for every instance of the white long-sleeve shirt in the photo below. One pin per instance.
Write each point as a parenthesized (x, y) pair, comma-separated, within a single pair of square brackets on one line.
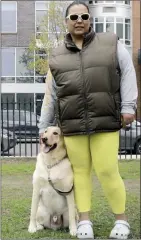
[(128, 89)]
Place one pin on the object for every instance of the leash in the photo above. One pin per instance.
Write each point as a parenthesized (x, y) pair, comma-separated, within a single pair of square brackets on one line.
[(57, 190), (51, 183)]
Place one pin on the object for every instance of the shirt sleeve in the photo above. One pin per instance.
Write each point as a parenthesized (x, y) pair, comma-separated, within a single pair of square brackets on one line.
[(47, 117), (128, 86)]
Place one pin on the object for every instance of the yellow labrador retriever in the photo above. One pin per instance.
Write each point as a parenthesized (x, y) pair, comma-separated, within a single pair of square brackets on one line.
[(53, 197)]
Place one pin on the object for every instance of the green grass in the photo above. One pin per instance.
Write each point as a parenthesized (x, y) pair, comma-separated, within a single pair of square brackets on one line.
[(16, 202)]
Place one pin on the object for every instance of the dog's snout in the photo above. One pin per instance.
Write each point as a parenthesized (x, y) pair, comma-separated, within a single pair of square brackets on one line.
[(44, 140)]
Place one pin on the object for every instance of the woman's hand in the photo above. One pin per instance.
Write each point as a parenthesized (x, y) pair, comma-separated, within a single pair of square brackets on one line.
[(127, 118)]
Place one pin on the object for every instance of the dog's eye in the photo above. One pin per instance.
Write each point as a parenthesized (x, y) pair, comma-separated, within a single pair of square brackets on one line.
[(46, 131), (55, 133)]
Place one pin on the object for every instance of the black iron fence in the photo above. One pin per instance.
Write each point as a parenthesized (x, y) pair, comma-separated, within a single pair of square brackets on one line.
[(20, 134), (19, 128)]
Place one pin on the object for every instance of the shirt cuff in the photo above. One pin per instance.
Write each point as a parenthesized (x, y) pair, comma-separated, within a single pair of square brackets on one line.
[(128, 110)]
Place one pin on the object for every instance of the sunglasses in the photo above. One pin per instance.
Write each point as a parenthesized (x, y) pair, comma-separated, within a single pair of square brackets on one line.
[(75, 17)]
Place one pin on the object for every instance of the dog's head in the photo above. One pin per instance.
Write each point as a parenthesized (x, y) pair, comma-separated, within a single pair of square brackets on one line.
[(51, 139)]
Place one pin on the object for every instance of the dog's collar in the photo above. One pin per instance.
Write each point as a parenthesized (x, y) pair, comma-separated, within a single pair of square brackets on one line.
[(56, 163)]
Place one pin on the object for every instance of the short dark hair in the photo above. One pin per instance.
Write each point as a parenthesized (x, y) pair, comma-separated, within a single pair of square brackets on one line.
[(77, 2)]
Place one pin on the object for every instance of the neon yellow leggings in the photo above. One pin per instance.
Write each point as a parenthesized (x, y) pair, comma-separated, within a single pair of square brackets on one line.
[(101, 151)]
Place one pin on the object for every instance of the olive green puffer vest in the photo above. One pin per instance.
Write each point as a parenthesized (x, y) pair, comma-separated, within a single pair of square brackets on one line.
[(88, 85)]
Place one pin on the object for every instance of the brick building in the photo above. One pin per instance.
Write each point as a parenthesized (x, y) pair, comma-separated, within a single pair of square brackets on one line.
[(136, 47)]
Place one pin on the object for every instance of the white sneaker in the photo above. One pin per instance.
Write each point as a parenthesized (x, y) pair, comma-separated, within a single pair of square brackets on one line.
[(85, 230), (121, 230)]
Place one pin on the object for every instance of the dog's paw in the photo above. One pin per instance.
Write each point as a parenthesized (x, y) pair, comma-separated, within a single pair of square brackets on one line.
[(32, 228), (39, 227), (73, 231)]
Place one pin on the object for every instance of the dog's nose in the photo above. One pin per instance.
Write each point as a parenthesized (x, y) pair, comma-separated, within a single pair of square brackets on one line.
[(44, 140)]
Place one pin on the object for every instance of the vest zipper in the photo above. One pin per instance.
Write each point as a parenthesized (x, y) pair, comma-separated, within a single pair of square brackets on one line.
[(84, 93)]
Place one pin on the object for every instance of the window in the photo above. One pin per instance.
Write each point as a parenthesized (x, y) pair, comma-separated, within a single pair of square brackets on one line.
[(41, 5), (127, 2), (25, 79), (7, 79), (40, 15), (127, 31), (120, 26), (40, 79), (99, 27), (113, 2), (23, 60), (41, 11), (110, 24), (41, 63), (99, 24), (9, 16), (8, 62)]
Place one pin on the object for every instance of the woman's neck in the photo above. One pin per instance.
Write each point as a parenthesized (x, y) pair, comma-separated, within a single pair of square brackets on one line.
[(78, 41)]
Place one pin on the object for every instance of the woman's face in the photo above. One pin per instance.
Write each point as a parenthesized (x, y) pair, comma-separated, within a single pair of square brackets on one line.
[(78, 27)]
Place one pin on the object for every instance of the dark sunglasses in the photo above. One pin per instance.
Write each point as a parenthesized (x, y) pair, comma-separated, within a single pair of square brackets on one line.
[(75, 17)]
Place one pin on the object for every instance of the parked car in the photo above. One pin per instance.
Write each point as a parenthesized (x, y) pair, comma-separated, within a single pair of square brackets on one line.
[(8, 140), (22, 123), (130, 138)]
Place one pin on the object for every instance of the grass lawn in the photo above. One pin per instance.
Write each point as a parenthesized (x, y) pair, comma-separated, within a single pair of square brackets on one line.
[(16, 202)]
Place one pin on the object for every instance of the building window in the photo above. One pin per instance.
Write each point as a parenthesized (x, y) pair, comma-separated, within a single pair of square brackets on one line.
[(23, 60), (41, 5), (39, 21), (109, 24), (99, 24), (25, 80), (127, 2), (7, 79), (112, 2), (17, 65), (41, 12), (41, 63), (8, 62), (9, 16), (120, 26), (40, 79), (127, 31)]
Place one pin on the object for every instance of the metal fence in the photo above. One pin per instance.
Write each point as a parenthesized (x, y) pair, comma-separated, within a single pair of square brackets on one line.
[(20, 134)]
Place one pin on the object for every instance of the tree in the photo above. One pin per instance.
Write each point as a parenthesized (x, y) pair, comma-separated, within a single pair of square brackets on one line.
[(50, 30)]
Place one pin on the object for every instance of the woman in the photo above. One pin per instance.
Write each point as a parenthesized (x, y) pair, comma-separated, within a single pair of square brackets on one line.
[(93, 87)]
